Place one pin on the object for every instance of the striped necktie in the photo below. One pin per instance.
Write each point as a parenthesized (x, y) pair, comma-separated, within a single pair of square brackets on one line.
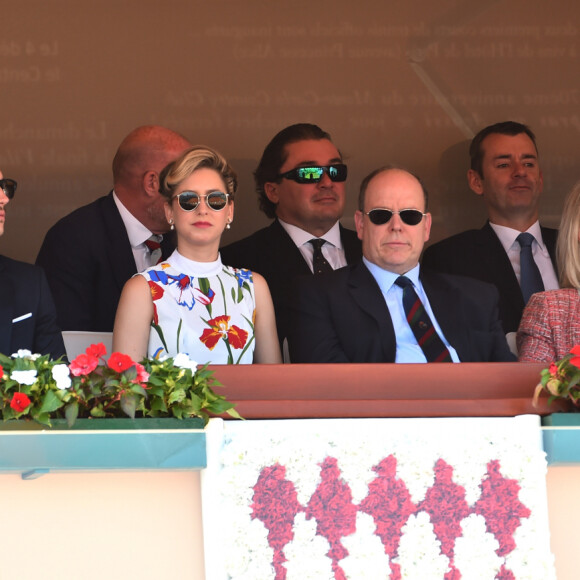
[(154, 245), (421, 325)]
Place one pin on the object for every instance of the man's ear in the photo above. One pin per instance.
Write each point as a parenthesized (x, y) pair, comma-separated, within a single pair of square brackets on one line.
[(271, 191), (475, 181), (359, 223), (151, 183)]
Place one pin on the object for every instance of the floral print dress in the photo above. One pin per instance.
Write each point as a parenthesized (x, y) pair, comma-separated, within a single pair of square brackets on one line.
[(203, 309)]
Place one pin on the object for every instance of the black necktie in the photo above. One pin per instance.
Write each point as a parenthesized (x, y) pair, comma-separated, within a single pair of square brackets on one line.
[(530, 277), (421, 325), (154, 245), (319, 263)]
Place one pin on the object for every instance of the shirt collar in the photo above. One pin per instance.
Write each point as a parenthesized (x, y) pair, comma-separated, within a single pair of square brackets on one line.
[(507, 236), (136, 231), (301, 237), (386, 279)]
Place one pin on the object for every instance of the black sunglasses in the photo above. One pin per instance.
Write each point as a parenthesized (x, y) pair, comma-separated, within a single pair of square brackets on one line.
[(380, 216), (336, 173), (8, 186), (189, 200)]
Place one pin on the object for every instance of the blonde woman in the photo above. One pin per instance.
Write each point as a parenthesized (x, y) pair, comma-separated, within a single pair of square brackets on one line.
[(550, 325), (192, 303)]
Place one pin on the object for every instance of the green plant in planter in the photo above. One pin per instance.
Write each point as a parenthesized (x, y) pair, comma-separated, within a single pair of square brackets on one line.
[(561, 380), (35, 387)]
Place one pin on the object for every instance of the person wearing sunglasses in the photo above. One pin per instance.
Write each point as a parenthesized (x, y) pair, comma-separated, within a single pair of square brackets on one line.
[(191, 303), (385, 308), (27, 313), (89, 254), (300, 181)]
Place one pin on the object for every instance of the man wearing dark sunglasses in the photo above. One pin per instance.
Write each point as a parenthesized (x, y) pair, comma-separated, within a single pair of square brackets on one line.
[(27, 313), (89, 254), (300, 182), (385, 308)]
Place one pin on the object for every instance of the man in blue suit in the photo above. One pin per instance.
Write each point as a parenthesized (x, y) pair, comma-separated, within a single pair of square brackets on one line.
[(27, 314), (362, 313), (89, 254)]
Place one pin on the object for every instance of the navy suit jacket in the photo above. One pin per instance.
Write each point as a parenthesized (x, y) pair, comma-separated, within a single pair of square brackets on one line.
[(88, 258), (27, 314), (343, 317), (272, 253), (479, 254)]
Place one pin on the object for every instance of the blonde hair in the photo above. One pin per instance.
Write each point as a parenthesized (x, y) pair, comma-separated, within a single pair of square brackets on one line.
[(197, 157), (568, 247)]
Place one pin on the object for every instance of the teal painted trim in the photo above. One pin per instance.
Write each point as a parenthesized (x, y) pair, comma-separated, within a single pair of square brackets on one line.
[(32, 453), (561, 435)]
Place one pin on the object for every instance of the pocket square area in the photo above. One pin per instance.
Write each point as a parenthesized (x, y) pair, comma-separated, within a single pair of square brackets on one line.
[(20, 318)]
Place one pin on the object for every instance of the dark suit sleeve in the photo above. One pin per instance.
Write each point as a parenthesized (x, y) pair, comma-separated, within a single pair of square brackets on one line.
[(66, 259), (47, 335), (313, 337)]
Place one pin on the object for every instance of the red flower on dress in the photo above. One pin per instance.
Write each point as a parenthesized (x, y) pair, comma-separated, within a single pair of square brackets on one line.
[(575, 360), (220, 328), (19, 402), (97, 350), (156, 290), (120, 362), (83, 364)]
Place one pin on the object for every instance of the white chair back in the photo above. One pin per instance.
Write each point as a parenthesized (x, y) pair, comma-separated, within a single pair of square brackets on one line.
[(511, 340), (77, 341)]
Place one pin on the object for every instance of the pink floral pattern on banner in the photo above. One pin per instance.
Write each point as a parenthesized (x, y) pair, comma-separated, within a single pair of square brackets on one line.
[(388, 502), (276, 505), (501, 508), (331, 505)]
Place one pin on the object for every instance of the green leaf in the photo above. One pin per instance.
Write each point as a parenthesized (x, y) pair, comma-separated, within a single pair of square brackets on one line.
[(71, 412), (129, 404), (50, 402)]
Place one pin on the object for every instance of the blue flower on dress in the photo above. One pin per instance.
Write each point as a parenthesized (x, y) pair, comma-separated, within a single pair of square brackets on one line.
[(242, 276)]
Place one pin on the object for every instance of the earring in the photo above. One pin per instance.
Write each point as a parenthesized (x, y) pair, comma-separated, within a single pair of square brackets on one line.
[(171, 224), (228, 224)]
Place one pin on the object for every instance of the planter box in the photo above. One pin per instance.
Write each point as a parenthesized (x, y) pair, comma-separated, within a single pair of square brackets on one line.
[(102, 444), (561, 434)]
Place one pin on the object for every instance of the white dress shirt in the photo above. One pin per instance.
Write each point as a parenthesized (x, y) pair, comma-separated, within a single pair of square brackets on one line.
[(137, 234), (507, 237), (408, 349), (332, 250)]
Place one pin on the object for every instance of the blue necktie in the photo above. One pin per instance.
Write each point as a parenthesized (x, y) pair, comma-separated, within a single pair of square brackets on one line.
[(431, 344), (530, 277)]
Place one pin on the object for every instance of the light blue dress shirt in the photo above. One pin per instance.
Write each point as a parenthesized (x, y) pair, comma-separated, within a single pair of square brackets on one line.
[(408, 349)]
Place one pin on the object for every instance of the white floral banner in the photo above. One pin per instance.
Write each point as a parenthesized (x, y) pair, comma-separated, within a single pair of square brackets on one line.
[(375, 499)]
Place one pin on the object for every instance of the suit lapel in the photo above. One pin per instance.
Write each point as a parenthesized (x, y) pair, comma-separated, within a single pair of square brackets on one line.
[(351, 245), (286, 255), (6, 310), (367, 295)]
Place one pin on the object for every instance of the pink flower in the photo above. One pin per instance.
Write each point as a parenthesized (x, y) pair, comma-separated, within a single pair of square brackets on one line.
[(553, 369), (19, 402), (120, 362), (142, 374), (83, 364)]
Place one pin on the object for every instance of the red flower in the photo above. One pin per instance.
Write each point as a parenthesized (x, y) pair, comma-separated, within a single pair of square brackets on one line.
[(19, 402), (96, 350), (220, 328), (142, 374), (575, 360), (83, 364), (553, 369), (1, 371), (120, 362), (156, 290)]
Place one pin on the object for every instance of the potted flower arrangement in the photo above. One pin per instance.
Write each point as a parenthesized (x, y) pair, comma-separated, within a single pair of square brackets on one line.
[(36, 388), (561, 379)]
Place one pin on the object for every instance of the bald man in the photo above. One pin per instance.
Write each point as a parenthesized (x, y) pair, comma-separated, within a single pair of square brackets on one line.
[(89, 254)]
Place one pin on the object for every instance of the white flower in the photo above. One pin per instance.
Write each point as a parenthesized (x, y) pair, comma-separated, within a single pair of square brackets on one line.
[(24, 353), (24, 377), (182, 361), (61, 374)]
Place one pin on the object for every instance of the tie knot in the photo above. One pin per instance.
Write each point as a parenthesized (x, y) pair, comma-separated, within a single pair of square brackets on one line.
[(153, 243), (403, 282), (525, 239), (317, 243)]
